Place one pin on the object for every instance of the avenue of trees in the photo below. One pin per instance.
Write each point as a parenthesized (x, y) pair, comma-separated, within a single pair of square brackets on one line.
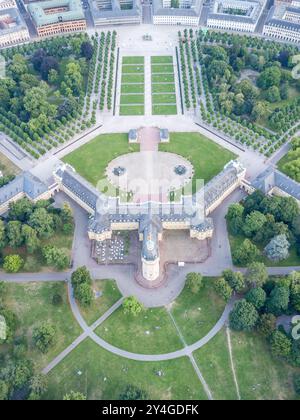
[(29, 226), (292, 167), (264, 222)]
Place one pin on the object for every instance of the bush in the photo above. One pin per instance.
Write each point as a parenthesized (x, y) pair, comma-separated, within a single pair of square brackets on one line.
[(223, 289), (132, 306), (194, 282), (281, 345), (13, 263), (244, 316)]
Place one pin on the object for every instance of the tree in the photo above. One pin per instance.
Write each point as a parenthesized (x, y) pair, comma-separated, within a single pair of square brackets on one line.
[(267, 324), (281, 345), (30, 238), (13, 234), (22, 373), (132, 393), (44, 336), (256, 274), (2, 234), (38, 386), (81, 275), (257, 296), (42, 222), (132, 306), (223, 289), (87, 50), (294, 279), (194, 282), (254, 222), (13, 263), (48, 64), (244, 316), (235, 280), (74, 396), (55, 257), (84, 294), (296, 381), (4, 390), (278, 248), (20, 210), (235, 218), (246, 253), (271, 76), (279, 300), (11, 322)]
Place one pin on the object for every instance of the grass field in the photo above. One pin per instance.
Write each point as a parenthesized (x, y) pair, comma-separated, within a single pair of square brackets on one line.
[(104, 376), (91, 159), (163, 78), (164, 109), (7, 167), (214, 363), (260, 376), (151, 332), (164, 59), (132, 99), (109, 295), (196, 314), (163, 94), (132, 86), (162, 68), (164, 98), (32, 303), (207, 157), (292, 260), (163, 88)]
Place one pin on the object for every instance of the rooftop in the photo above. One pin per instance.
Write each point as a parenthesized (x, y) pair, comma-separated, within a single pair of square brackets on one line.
[(41, 17), (277, 16), (11, 21), (251, 10), (193, 11)]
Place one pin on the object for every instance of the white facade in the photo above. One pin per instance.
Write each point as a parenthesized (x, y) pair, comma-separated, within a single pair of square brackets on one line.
[(176, 20), (14, 38), (231, 25), (13, 29), (282, 33), (283, 23)]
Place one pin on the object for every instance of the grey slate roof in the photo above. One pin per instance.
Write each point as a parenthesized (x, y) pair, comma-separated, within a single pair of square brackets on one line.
[(115, 12), (275, 18), (24, 183), (18, 20)]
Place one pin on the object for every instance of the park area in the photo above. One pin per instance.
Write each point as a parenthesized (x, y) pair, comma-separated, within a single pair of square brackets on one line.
[(163, 86), (132, 99)]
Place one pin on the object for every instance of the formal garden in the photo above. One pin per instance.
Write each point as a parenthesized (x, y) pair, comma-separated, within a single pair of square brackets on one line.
[(241, 86), (54, 87), (290, 163), (163, 86), (132, 99)]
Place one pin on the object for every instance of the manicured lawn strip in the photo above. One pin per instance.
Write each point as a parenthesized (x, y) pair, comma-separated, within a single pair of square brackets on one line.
[(133, 69), (132, 99), (163, 78), (104, 376), (162, 68), (133, 88), (292, 260), (133, 60), (260, 376), (197, 313), (132, 110), (207, 157), (7, 167), (109, 295), (132, 78), (151, 332), (214, 363), (164, 109), (32, 303), (91, 159), (164, 98), (163, 88), (164, 59)]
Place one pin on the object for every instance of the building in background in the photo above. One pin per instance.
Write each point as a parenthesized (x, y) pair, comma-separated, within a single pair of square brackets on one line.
[(57, 16), (177, 12), (13, 29), (235, 15), (115, 12), (7, 4), (283, 23)]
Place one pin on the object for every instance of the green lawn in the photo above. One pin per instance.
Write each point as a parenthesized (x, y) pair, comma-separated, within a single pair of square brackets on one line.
[(164, 59), (91, 159), (32, 303), (151, 332), (132, 88), (139, 69), (163, 78), (7, 167), (207, 157), (132, 110), (214, 363), (196, 314), (109, 295), (132, 78), (133, 60), (260, 376), (164, 98), (162, 68), (164, 110), (132, 99), (292, 260), (163, 88), (104, 376)]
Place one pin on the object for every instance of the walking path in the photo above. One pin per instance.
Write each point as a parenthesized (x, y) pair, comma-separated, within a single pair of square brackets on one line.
[(148, 88), (232, 363)]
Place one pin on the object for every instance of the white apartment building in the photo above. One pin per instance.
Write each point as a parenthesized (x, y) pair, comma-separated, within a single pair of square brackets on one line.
[(186, 12), (283, 23), (13, 29), (235, 15)]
